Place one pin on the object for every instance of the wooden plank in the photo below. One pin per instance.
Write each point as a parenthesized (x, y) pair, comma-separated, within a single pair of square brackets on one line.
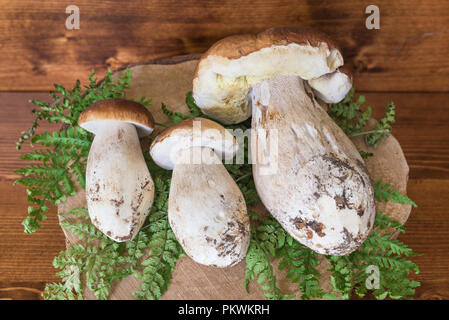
[(16, 116), (408, 53), (26, 257), (427, 232), (13, 290), (421, 128), (25, 260)]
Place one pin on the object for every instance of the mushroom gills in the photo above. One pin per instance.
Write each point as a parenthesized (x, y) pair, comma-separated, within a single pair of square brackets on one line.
[(307, 172), (206, 209), (119, 186)]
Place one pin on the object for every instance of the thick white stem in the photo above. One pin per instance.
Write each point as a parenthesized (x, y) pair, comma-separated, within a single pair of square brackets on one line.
[(119, 187), (317, 185), (206, 209)]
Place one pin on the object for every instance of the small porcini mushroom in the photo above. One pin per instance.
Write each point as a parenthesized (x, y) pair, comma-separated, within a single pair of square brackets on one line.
[(317, 187), (119, 187), (206, 209)]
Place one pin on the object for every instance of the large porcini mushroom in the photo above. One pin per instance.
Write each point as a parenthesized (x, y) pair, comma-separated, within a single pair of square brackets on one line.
[(119, 187), (206, 209), (308, 174)]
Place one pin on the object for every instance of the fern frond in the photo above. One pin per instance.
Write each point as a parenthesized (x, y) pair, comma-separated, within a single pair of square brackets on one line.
[(194, 110), (342, 275), (174, 117), (300, 263), (383, 220), (387, 193), (348, 113), (349, 273), (267, 236), (68, 139), (258, 266), (383, 127), (164, 250)]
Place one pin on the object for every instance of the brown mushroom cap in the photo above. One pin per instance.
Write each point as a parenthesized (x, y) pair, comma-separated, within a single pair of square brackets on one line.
[(237, 46), (228, 70), (165, 147), (117, 109)]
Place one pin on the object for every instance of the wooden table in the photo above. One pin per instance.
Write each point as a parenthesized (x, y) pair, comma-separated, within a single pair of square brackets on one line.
[(406, 61)]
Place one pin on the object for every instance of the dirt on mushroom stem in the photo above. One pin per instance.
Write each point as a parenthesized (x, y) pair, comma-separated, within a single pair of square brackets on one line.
[(206, 209), (119, 187), (308, 174)]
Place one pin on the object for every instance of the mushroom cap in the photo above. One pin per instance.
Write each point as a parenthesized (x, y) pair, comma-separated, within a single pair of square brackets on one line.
[(194, 132), (229, 69), (117, 109)]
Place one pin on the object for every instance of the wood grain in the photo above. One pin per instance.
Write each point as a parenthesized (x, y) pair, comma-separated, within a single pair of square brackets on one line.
[(25, 260), (408, 53), (406, 61)]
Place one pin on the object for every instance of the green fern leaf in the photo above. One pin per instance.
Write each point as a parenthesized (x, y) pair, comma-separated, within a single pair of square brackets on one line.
[(387, 193)]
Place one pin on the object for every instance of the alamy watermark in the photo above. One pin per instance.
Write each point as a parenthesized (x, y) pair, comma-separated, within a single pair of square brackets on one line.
[(73, 20), (373, 20), (229, 145), (373, 280)]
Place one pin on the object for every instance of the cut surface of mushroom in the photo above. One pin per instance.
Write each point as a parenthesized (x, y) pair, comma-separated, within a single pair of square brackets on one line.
[(206, 209), (307, 172), (119, 186), (332, 87), (233, 65)]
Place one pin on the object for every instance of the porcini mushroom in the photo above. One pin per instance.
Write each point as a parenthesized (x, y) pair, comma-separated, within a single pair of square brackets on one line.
[(119, 187), (317, 187), (206, 209)]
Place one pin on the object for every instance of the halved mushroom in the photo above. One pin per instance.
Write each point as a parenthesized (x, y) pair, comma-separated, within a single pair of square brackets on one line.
[(308, 174), (119, 187), (206, 209)]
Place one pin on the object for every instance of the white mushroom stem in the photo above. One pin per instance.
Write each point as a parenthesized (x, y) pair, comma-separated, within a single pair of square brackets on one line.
[(119, 186), (206, 209), (307, 172)]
